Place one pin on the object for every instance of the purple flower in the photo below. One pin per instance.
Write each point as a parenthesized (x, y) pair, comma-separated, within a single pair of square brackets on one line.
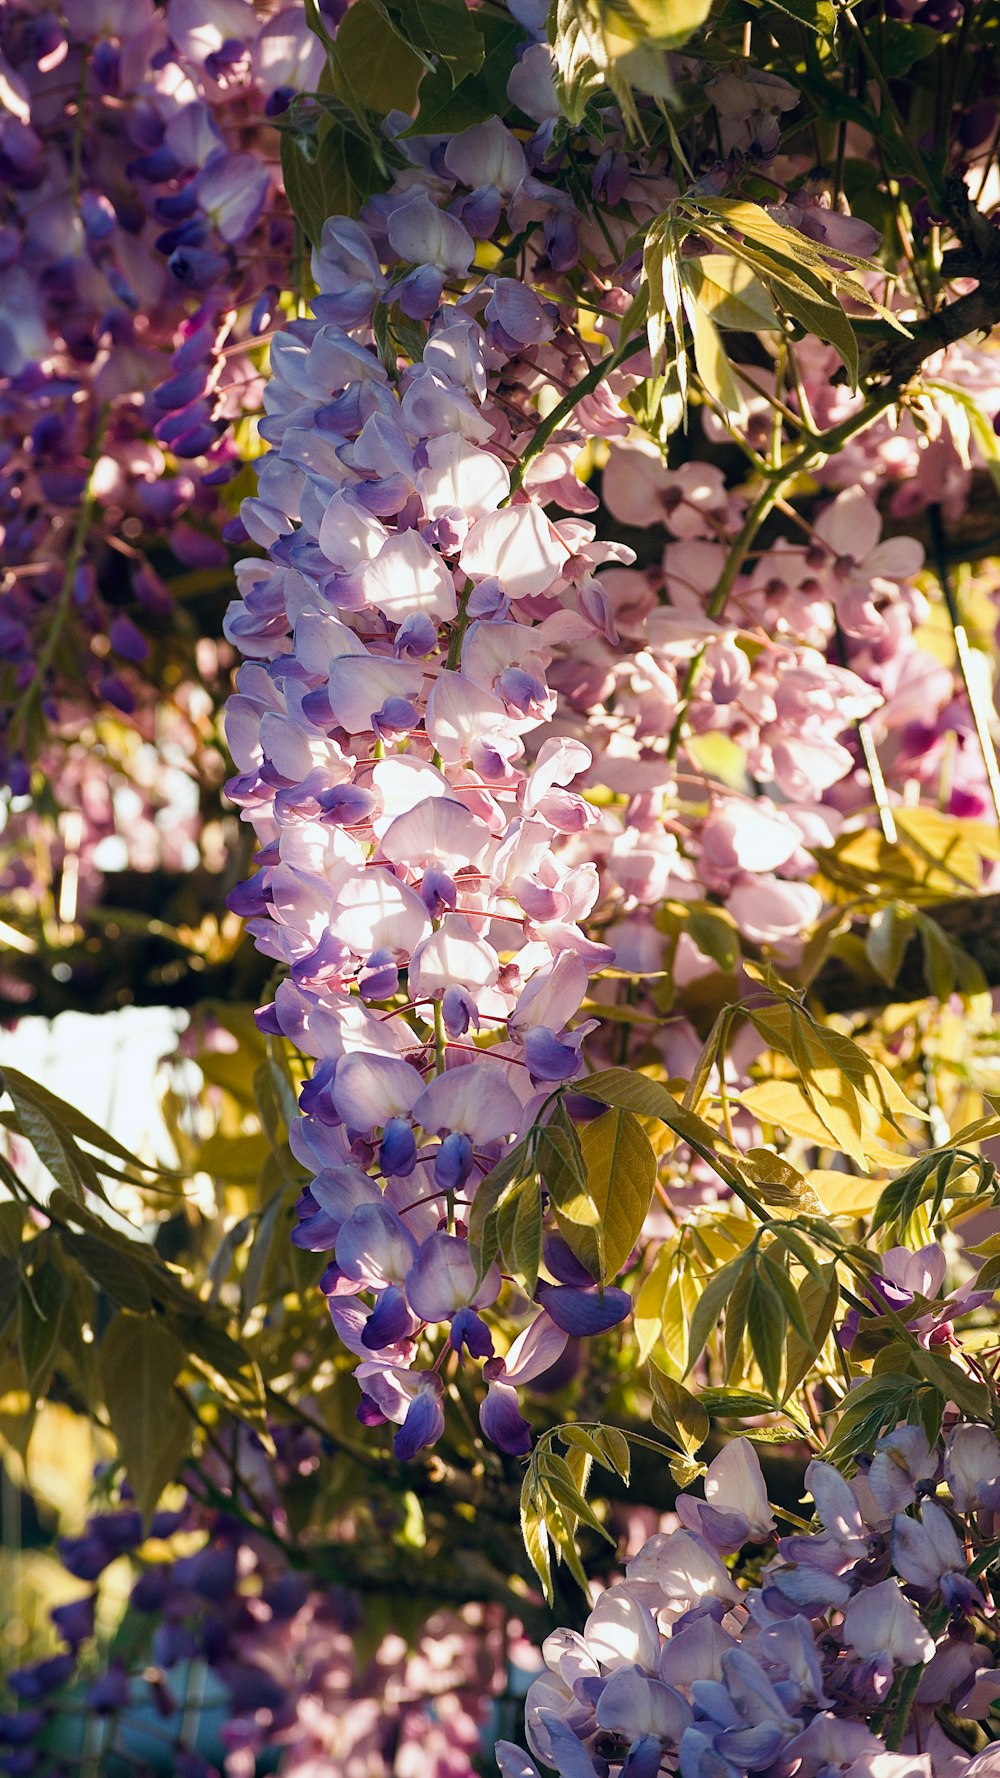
[(424, 1422)]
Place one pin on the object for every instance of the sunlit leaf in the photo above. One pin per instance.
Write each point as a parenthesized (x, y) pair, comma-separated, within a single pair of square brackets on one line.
[(679, 1413), (725, 287), (519, 1231), (601, 1216), (711, 363), (714, 1297), (484, 1238), (775, 1181)]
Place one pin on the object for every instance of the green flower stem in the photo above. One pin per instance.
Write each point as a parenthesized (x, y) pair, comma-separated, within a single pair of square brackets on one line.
[(887, 819), (908, 1684), (458, 630), (562, 411)]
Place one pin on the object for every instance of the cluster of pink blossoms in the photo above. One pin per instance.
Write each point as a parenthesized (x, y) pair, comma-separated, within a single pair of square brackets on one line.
[(469, 734), (854, 1650)]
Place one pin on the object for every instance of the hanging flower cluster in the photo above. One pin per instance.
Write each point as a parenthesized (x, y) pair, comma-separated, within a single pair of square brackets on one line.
[(470, 734), (863, 1646), (233, 1653), (143, 243)]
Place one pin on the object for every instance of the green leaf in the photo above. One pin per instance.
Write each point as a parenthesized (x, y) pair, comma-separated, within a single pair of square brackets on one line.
[(901, 43), (535, 1533), (602, 1217), (708, 1312), (947, 967), (666, 22), (762, 230), (796, 271), (578, 72), (70, 1122), (889, 932), (109, 1268), (657, 405), (373, 65), (836, 1074), (317, 24), (335, 182), (10, 1285), (519, 1231), (816, 311), (775, 1181), (446, 108), (736, 1404), (650, 1299), (679, 1413), (714, 370), (268, 1238), (724, 286), (620, 44), (562, 1486), (560, 1162), (484, 1240), (819, 1302), (205, 1338), (902, 1195), (583, 1438), (736, 1323), (17, 1409), (766, 1322), (632, 1091), (447, 29), (139, 1362), (11, 1229), (819, 15), (873, 1406), (663, 312), (939, 964), (780, 1282), (616, 1445), (51, 1140), (41, 1303), (971, 1398)]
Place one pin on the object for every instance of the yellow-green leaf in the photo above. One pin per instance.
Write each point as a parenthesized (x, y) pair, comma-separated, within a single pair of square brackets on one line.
[(714, 370), (650, 1299), (679, 1413), (519, 1230), (602, 1222), (140, 1360), (727, 289)]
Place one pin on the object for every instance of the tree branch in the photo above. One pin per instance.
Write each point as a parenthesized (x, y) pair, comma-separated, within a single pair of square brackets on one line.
[(897, 358)]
